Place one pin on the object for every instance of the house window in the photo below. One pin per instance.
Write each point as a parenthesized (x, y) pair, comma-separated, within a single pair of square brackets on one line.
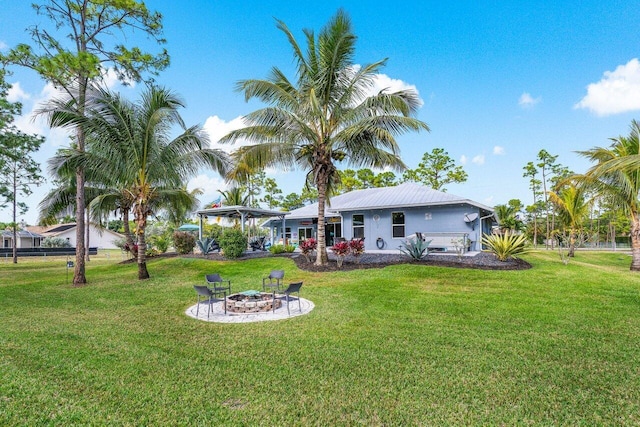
[(358, 226), (287, 233), (397, 224), (305, 233)]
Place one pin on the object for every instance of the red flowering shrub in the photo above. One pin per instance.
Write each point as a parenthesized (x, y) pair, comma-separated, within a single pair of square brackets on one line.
[(341, 249), (357, 247), (307, 246)]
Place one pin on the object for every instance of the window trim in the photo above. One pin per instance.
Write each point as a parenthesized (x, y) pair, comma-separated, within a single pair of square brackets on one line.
[(403, 225), (353, 226)]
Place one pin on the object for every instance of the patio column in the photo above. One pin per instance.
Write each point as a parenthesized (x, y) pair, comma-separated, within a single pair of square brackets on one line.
[(200, 228), (284, 230)]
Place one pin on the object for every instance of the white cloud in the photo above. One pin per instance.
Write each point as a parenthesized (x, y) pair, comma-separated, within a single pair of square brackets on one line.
[(209, 185), (217, 128), (17, 94), (478, 160), (110, 80), (617, 92), (527, 101), (29, 123), (498, 150), (3, 45), (488, 201), (463, 159), (382, 81)]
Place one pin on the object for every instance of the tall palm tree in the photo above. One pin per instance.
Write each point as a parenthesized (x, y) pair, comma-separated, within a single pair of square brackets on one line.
[(508, 218), (573, 208), (617, 174), (133, 144), (235, 196), (326, 116)]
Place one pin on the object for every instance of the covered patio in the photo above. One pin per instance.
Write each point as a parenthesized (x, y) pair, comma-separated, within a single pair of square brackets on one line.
[(242, 213)]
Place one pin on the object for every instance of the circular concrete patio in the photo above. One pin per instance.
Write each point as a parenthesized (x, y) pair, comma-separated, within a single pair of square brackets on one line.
[(218, 315)]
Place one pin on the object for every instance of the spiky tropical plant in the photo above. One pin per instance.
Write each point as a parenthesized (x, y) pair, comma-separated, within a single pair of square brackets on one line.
[(327, 115), (133, 144), (415, 248), (206, 245), (616, 174), (506, 245)]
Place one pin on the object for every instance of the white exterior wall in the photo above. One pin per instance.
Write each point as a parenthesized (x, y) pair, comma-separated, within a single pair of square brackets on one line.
[(102, 239)]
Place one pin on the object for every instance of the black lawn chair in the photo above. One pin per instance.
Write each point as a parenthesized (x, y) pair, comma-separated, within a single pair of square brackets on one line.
[(273, 280)]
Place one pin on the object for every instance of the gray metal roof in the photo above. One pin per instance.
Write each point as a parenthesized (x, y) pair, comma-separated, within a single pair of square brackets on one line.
[(238, 211), (408, 194), (311, 211), (404, 195)]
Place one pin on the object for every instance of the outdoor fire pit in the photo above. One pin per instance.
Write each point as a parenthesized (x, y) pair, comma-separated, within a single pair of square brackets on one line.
[(252, 302)]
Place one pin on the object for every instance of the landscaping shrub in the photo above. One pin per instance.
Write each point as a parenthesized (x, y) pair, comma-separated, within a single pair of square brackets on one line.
[(289, 248), (55, 242), (507, 245), (341, 250), (357, 248), (415, 248), (214, 231), (276, 249), (184, 242), (233, 243), (160, 243), (307, 247)]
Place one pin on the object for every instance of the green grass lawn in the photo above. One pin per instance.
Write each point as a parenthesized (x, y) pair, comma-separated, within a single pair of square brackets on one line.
[(403, 345)]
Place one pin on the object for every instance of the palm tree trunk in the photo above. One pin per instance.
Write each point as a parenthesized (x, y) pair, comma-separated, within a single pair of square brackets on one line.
[(127, 228), (635, 242), (321, 257), (141, 222), (572, 244), (87, 229)]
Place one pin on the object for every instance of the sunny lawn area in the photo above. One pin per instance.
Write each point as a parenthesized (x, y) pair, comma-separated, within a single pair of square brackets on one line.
[(404, 345)]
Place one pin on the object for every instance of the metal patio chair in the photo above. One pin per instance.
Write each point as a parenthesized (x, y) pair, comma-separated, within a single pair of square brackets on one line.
[(293, 288), (273, 280)]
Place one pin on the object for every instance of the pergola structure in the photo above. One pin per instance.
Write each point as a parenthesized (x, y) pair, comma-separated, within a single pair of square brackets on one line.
[(242, 213)]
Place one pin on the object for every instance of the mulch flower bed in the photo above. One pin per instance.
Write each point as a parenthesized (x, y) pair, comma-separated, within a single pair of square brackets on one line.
[(482, 261)]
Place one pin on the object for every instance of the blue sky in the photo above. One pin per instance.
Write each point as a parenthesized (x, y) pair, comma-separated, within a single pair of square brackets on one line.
[(499, 80)]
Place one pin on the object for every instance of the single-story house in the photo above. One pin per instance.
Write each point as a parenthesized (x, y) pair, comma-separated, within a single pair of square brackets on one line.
[(25, 239), (387, 216), (102, 238)]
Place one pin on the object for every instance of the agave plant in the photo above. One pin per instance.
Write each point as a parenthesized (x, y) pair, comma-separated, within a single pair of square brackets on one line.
[(415, 248), (506, 245), (207, 245)]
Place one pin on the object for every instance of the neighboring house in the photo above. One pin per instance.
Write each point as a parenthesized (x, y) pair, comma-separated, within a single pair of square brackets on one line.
[(387, 216), (102, 238), (26, 239)]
